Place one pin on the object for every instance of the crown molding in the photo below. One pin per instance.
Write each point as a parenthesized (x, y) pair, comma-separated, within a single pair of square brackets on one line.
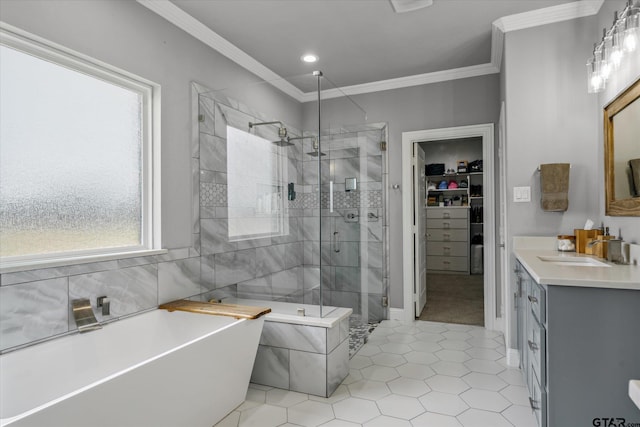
[(401, 82), (197, 29), (549, 15)]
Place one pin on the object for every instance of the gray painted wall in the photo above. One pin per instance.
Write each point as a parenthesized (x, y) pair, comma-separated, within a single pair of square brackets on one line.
[(129, 36), (552, 118), (440, 105)]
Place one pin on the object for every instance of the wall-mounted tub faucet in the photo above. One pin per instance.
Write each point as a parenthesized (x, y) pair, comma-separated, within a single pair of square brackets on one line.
[(104, 303), (83, 315)]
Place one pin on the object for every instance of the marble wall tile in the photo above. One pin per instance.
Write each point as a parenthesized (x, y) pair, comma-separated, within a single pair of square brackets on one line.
[(333, 337), (311, 277), (207, 272), (194, 250), (293, 255), (130, 290), (208, 212), (374, 254), (235, 267), (346, 299), (225, 115), (374, 169), (206, 106), (311, 296), (269, 259), (286, 282), (308, 372), (254, 243), (213, 153), (33, 275), (33, 311), (195, 195), (344, 153), (346, 168), (271, 367), (220, 294), (259, 288), (174, 254), (337, 366), (92, 267), (215, 236), (371, 231), (178, 279), (297, 337), (344, 329), (347, 279), (348, 256), (132, 262), (374, 281), (376, 311), (310, 171)]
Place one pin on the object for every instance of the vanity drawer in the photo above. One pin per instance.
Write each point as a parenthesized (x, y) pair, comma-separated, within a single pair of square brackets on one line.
[(447, 223), (452, 235), (448, 248), (538, 399), (447, 213), (536, 348), (447, 263), (536, 299)]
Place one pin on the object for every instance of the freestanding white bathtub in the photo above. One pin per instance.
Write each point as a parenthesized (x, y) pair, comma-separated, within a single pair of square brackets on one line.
[(159, 368)]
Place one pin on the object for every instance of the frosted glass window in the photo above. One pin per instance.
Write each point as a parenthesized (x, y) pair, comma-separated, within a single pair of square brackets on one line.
[(256, 187), (71, 160)]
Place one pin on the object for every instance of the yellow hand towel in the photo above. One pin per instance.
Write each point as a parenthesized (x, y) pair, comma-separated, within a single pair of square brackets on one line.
[(554, 183)]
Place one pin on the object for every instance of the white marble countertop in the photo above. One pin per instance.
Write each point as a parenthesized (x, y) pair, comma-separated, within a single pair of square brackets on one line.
[(612, 276)]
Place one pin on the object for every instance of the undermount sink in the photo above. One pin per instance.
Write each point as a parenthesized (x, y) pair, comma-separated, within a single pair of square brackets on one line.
[(573, 261)]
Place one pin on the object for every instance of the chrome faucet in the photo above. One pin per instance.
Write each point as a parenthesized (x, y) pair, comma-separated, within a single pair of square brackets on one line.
[(83, 315)]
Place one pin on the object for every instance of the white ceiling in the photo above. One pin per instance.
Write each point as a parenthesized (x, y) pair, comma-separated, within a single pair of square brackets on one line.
[(362, 44)]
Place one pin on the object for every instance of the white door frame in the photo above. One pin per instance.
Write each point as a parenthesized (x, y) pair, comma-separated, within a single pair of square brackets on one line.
[(485, 131)]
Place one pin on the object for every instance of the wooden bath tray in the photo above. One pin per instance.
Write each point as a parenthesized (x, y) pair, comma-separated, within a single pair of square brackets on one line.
[(217, 309)]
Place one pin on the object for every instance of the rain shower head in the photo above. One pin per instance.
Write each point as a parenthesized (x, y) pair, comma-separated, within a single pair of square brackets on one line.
[(316, 152), (282, 133)]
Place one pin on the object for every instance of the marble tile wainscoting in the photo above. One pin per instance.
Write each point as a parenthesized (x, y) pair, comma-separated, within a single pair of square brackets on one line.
[(36, 305)]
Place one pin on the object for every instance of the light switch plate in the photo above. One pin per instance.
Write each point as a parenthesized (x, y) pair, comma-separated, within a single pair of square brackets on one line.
[(521, 194)]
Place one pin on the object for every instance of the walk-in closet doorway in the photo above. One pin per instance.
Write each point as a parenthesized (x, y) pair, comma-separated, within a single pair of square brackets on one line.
[(447, 255)]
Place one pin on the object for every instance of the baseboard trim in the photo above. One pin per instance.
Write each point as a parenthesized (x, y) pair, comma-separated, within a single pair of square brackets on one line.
[(513, 358), (396, 314)]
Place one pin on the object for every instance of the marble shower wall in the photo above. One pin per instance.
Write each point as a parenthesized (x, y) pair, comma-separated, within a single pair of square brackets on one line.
[(268, 268), (354, 260)]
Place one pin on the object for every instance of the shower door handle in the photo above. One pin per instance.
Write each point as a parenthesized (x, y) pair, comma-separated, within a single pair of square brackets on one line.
[(336, 242)]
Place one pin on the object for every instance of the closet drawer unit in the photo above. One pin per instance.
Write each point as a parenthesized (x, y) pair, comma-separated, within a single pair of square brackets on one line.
[(444, 213), (451, 235), (446, 263), (447, 224), (448, 248)]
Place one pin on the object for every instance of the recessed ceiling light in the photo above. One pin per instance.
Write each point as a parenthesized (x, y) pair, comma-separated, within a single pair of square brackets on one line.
[(309, 57)]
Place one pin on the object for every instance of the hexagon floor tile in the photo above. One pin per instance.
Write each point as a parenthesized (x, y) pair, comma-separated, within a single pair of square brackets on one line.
[(407, 375)]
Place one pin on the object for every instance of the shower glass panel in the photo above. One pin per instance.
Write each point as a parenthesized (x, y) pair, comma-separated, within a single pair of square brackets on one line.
[(290, 202)]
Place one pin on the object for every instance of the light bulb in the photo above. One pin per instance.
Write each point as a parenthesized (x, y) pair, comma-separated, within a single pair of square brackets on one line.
[(630, 41)]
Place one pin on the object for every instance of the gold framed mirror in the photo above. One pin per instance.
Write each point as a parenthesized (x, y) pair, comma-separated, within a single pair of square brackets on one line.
[(622, 153)]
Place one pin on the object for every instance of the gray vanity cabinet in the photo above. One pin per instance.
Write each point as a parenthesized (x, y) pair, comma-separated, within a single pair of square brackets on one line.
[(579, 348)]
